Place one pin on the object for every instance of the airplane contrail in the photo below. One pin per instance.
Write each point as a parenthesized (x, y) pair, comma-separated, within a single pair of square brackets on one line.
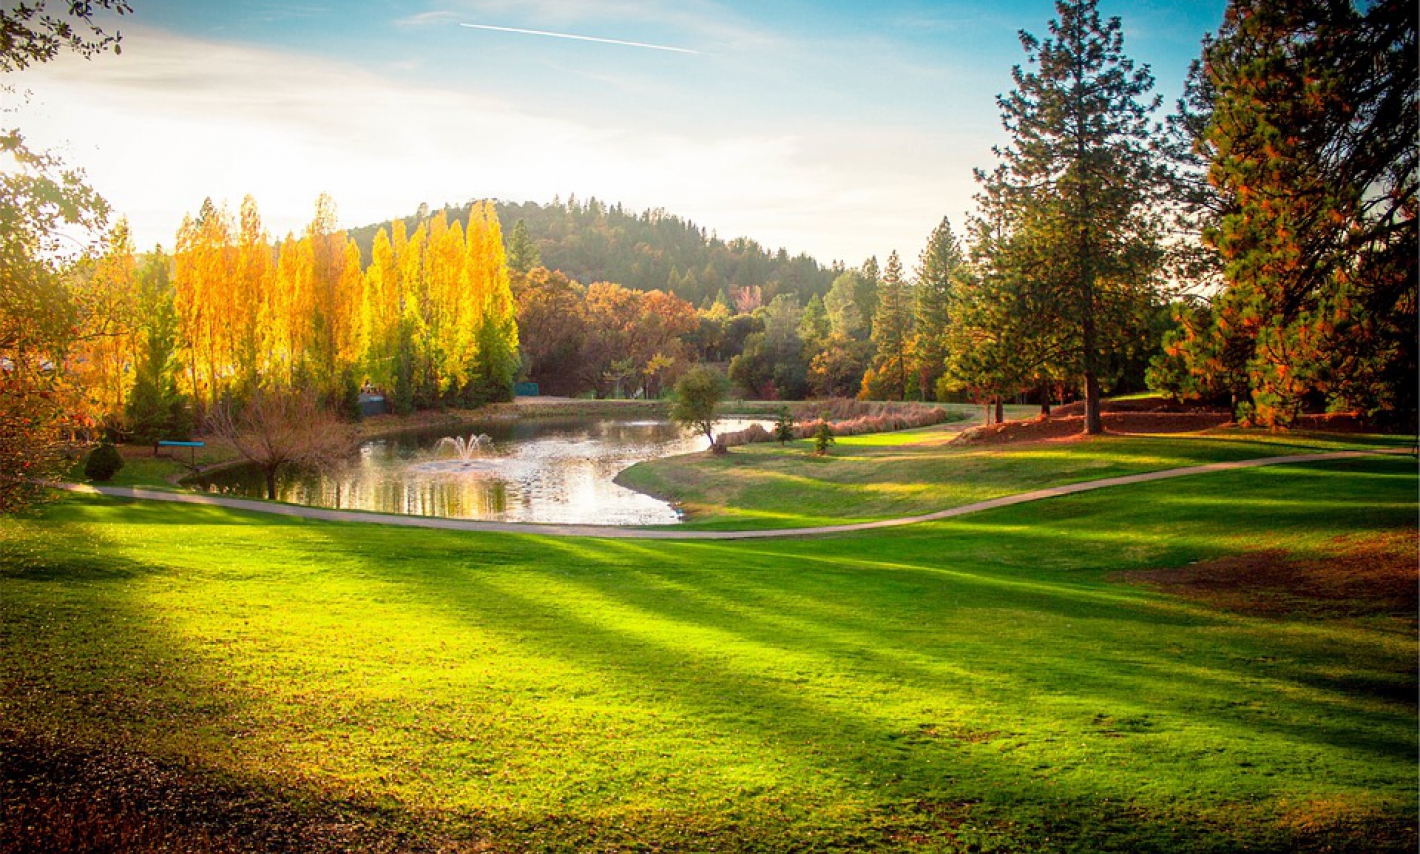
[(575, 37)]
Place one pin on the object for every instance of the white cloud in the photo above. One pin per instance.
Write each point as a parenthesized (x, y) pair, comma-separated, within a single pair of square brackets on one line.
[(178, 119)]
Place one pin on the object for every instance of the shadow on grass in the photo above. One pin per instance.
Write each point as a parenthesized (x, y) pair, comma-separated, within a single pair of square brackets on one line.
[(975, 680), (766, 640)]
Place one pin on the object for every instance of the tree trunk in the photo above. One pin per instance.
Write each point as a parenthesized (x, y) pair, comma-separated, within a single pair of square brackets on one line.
[(1000, 411), (270, 483), (1094, 425)]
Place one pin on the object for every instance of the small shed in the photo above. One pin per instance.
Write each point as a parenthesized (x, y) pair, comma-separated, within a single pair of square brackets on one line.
[(372, 403)]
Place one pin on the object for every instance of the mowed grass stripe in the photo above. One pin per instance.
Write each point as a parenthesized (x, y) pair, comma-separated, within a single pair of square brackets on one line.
[(979, 681)]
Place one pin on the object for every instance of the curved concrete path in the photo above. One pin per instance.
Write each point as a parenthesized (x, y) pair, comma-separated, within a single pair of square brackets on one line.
[(610, 532)]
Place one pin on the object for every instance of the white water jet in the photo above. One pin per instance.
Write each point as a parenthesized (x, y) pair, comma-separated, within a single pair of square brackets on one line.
[(467, 449)]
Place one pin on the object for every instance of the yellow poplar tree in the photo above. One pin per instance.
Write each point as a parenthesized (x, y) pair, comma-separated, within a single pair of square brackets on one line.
[(202, 298), (253, 283), (415, 345), (380, 314), (110, 305), (496, 351), (289, 326)]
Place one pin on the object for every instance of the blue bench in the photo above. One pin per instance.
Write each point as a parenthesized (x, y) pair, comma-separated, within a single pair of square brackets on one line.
[(192, 446)]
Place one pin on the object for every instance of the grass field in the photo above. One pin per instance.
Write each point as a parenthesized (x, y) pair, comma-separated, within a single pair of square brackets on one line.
[(993, 683), (912, 472)]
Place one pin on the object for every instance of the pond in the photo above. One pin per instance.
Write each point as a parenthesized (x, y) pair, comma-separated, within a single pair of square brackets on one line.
[(550, 470)]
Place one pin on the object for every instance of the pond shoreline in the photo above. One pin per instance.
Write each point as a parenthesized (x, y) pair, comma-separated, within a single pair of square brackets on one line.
[(553, 463), (379, 427)]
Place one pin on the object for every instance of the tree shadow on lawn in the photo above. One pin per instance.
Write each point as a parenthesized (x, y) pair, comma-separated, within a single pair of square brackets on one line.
[(635, 623), (693, 628), (104, 706), (618, 628)]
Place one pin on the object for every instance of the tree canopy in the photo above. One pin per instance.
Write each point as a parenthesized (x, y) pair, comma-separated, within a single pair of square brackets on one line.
[(1070, 213), (1303, 120)]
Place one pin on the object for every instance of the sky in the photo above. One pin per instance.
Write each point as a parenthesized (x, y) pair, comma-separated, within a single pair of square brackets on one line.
[(836, 128)]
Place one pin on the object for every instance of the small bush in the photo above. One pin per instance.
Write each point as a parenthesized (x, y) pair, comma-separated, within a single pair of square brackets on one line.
[(823, 438), (104, 462)]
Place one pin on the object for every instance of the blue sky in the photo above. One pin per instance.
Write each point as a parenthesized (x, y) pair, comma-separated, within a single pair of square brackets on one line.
[(841, 129)]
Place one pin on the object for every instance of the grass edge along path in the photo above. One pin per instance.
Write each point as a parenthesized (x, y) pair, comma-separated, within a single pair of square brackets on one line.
[(609, 532)]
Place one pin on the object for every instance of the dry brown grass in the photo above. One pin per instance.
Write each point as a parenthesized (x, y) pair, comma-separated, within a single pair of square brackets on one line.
[(1359, 575), (847, 417)]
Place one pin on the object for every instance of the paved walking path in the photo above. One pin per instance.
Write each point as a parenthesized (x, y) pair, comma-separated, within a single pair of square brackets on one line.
[(611, 532)]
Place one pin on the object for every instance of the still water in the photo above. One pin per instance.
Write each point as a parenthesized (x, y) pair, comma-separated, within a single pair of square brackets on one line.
[(537, 470)]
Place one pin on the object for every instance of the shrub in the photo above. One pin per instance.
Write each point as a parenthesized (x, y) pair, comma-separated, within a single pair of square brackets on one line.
[(784, 427), (104, 462), (845, 417)]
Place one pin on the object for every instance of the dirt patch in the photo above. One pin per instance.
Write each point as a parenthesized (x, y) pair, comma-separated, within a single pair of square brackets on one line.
[(1357, 576), (1057, 427)]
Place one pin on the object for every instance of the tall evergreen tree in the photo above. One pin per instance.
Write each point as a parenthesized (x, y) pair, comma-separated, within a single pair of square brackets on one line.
[(523, 254), (1306, 119), (938, 267), (156, 409), (891, 336), (1078, 184)]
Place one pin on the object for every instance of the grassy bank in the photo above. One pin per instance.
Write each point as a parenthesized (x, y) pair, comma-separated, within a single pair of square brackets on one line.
[(994, 683), (913, 472)]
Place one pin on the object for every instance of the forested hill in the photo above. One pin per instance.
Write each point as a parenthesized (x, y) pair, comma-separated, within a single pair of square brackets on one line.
[(591, 242)]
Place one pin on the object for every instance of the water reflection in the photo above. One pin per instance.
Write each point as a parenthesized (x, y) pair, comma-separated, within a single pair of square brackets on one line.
[(544, 470)]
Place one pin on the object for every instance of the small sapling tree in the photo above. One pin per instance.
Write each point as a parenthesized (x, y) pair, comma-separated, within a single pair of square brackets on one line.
[(784, 427), (697, 399), (823, 438)]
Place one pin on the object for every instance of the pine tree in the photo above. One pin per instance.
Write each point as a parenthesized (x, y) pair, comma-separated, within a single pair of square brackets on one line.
[(523, 254), (1078, 186), (156, 409), (1306, 119), (891, 335), (940, 264)]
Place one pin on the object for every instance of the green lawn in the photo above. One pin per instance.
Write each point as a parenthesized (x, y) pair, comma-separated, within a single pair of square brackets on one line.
[(989, 681), (913, 472)]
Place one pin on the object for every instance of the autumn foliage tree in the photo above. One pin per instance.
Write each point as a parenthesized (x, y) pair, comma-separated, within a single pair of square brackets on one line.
[(44, 207), (1304, 122), (431, 318)]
